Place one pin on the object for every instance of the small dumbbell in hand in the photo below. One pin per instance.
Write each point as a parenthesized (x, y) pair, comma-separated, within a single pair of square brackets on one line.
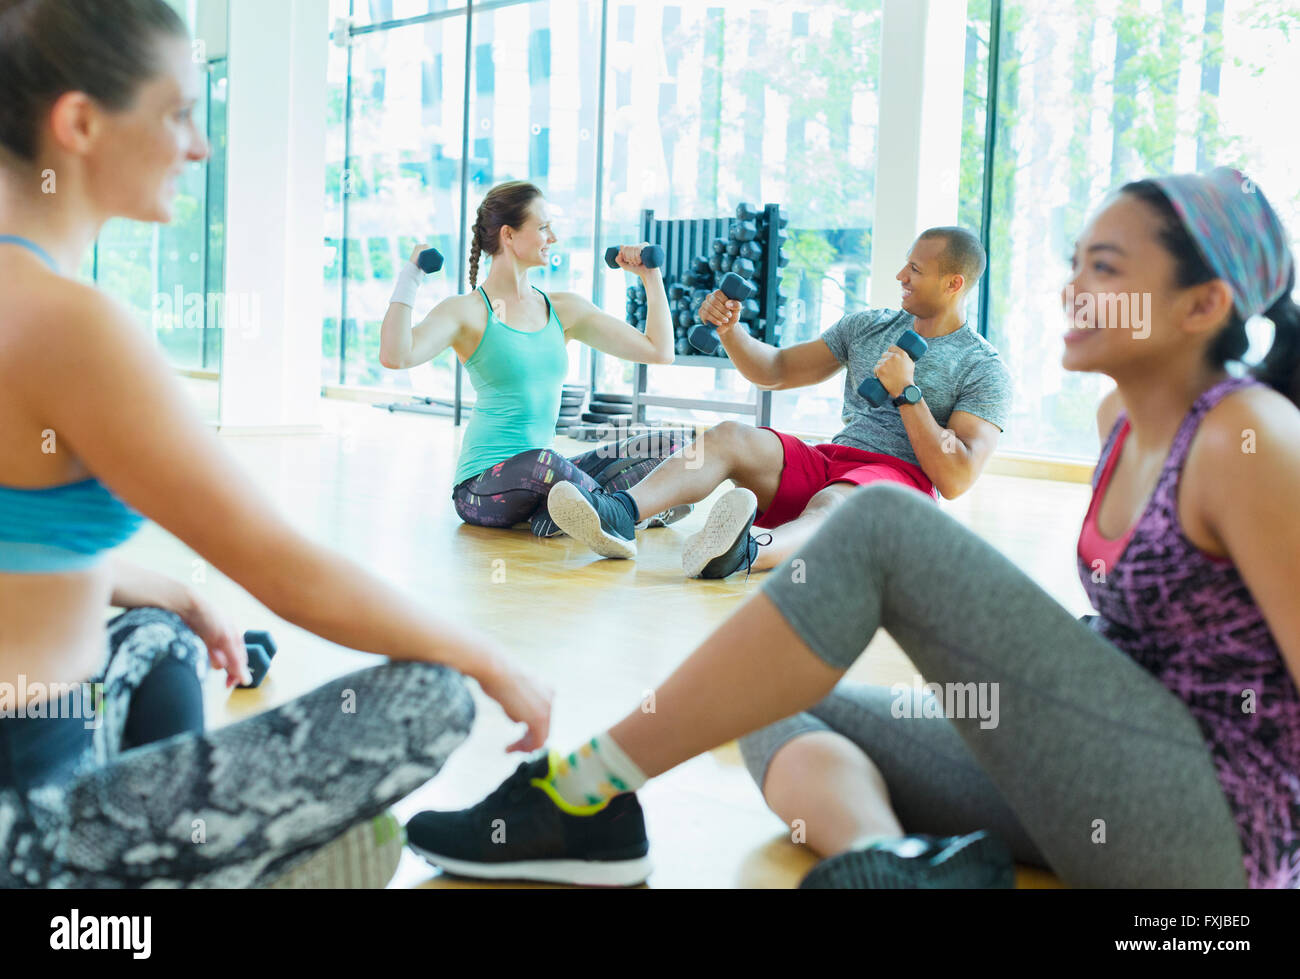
[(634, 258)]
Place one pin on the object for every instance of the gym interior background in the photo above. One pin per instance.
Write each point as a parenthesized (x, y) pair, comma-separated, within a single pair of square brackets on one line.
[(344, 131)]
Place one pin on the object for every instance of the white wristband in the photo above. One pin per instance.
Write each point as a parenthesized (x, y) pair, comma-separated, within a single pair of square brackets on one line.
[(409, 280)]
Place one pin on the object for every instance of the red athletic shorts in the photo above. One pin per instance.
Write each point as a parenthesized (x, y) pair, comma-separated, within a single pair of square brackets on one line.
[(811, 468)]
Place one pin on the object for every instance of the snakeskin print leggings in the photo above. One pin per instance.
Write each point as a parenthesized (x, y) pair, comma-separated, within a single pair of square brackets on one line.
[(234, 807)]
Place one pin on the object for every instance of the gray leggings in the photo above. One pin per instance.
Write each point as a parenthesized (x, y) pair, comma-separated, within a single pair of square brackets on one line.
[(1093, 769)]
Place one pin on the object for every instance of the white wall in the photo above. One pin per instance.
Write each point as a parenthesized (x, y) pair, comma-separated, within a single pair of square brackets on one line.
[(275, 215), (922, 64)]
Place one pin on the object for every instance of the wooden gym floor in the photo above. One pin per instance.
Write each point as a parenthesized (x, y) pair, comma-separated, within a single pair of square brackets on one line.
[(377, 486)]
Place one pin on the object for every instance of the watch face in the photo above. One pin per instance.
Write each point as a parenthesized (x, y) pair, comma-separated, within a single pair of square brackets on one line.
[(912, 393)]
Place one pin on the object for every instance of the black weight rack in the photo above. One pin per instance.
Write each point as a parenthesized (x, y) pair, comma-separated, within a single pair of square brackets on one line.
[(683, 241)]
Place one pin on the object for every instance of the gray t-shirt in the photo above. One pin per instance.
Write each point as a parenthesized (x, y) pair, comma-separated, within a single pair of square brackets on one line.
[(959, 372)]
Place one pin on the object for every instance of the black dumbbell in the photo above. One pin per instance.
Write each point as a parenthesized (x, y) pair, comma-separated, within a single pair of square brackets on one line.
[(748, 212), (872, 389), (676, 291), (261, 650), (744, 231), (430, 261), (719, 245), (715, 262), (736, 287), (751, 250), (733, 249), (782, 218), (685, 318), (704, 338), (749, 311), (742, 267), (652, 256), (726, 264)]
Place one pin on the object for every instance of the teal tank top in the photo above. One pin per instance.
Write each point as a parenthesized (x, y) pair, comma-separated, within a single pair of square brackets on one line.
[(518, 380), (60, 528)]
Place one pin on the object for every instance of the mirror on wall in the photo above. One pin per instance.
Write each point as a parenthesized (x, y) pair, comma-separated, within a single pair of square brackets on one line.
[(173, 276)]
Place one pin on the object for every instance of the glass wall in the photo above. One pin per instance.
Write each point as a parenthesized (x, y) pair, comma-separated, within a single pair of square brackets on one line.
[(172, 276), (708, 103), (1094, 93), (761, 102), (393, 181)]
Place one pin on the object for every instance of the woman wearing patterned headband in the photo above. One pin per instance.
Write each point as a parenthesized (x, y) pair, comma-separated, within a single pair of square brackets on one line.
[(1155, 745)]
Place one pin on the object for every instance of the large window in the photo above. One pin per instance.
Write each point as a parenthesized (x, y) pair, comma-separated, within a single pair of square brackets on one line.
[(708, 103), (392, 181), (760, 102), (171, 275), (1094, 93)]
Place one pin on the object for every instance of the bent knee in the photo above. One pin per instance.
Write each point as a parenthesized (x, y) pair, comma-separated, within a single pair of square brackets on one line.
[(727, 435), (432, 699), (887, 502)]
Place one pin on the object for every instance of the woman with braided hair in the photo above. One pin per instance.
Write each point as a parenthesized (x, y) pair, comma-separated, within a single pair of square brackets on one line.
[(511, 338)]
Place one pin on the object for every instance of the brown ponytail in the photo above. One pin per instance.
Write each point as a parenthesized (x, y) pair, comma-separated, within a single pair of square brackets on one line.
[(50, 47), (475, 250), (506, 205)]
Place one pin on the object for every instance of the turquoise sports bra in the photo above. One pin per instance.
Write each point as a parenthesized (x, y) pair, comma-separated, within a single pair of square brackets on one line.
[(60, 528)]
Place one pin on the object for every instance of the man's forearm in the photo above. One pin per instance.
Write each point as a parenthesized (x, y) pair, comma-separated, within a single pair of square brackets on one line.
[(944, 458), (756, 360)]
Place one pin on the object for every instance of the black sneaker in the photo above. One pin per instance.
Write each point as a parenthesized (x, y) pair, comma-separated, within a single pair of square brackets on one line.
[(976, 860), (725, 545), (594, 518), (519, 833)]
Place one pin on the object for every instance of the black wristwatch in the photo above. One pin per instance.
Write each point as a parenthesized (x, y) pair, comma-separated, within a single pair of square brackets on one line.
[(910, 396)]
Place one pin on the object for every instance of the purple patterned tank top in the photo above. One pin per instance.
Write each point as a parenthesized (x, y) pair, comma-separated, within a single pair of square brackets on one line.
[(1188, 619)]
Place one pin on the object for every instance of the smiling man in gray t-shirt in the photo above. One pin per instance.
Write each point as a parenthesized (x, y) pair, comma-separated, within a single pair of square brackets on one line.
[(934, 432)]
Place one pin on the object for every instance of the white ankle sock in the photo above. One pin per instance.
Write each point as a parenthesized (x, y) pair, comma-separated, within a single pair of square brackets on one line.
[(595, 771)]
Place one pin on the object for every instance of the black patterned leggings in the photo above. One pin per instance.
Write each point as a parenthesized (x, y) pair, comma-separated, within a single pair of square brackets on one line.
[(515, 490), (235, 807)]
